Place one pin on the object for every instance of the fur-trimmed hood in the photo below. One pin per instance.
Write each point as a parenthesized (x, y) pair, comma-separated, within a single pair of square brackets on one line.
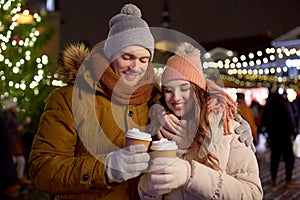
[(71, 59)]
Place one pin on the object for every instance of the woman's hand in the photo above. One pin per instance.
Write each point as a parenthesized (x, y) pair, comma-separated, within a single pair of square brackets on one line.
[(169, 173)]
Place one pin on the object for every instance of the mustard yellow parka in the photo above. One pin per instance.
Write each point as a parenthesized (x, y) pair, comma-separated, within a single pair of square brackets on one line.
[(79, 126)]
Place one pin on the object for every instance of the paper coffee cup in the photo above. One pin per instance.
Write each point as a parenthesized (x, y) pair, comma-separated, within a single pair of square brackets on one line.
[(163, 148), (135, 136)]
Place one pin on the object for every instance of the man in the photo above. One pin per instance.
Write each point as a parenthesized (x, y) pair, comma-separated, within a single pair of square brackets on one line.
[(278, 122), (77, 151)]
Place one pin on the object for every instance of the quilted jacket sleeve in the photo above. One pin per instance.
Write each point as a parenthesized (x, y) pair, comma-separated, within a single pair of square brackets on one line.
[(52, 163), (240, 179)]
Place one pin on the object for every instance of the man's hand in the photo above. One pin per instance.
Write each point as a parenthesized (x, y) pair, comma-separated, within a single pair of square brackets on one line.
[(245, 132), (126, 163)]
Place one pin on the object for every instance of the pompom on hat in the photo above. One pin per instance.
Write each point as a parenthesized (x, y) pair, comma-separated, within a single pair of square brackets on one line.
[(128, 29)]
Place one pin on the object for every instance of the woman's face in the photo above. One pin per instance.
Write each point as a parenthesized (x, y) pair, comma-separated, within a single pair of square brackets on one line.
[(178, 96), (131, 64)]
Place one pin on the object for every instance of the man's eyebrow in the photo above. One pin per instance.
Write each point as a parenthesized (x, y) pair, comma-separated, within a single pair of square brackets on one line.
[(132, 55), (124, 52)]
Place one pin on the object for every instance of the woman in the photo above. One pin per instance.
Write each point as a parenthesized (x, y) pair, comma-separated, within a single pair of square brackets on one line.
[(211, 162)]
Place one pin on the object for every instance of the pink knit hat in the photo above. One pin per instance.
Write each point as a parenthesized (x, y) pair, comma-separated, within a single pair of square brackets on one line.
[(185, 65)]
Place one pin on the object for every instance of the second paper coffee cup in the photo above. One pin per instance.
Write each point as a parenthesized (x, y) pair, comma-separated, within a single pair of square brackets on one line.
[(135, 136), (164, 148)]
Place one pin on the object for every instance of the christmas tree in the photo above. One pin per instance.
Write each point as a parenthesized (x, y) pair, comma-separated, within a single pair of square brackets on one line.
[(23, 67)]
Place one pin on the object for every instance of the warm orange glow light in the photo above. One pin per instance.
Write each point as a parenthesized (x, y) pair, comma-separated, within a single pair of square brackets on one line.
[(24, 18)]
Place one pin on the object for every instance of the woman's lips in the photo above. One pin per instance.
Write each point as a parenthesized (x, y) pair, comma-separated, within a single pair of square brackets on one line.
[(178, 106)]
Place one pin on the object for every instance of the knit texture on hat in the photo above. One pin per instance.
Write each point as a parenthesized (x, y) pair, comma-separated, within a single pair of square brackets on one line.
[(128, 29), (185, 65)]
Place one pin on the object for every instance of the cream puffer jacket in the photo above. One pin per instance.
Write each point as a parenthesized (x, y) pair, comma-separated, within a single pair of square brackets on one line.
[(239, 178)]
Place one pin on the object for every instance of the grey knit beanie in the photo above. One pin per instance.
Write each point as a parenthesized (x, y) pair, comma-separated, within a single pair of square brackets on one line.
[(128, 29)]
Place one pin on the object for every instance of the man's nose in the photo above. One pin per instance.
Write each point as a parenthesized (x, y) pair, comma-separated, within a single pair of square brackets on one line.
[(134, 63)]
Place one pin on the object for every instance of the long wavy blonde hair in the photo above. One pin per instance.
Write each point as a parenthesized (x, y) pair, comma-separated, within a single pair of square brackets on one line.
[(201, 99)]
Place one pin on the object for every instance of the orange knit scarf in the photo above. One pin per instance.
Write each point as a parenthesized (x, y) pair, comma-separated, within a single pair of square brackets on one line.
[(221, 102), (121, 93)]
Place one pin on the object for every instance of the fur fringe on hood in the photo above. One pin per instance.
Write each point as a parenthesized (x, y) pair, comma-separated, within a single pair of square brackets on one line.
[(70, 61)]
